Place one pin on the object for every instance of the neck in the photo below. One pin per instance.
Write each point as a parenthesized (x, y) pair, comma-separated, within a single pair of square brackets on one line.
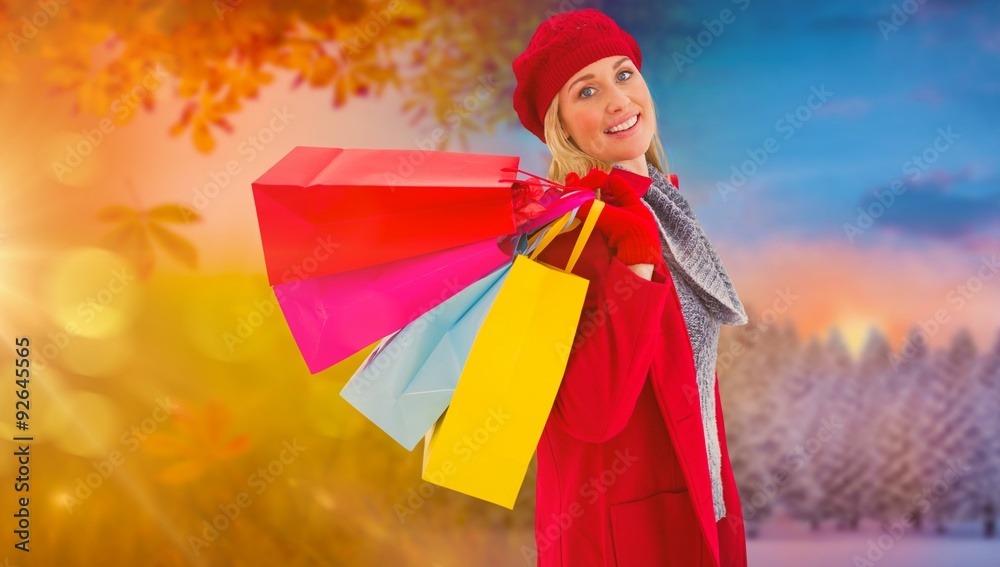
[(636, 165)]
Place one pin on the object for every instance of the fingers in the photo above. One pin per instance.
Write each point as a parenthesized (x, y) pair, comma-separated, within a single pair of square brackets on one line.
[(594, 179), (622, 191)]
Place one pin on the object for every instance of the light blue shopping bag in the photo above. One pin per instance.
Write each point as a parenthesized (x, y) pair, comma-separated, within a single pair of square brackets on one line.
[(407, 382)]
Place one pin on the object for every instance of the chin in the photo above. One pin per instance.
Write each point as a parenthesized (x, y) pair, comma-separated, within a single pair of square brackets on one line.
[(631, 153), (624, 152)]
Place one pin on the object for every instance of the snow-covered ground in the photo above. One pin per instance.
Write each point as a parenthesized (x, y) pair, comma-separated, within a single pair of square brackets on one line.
[(786, 544), (915, 552)]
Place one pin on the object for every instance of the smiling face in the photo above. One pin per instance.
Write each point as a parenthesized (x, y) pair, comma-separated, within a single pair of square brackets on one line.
[(608, 94)]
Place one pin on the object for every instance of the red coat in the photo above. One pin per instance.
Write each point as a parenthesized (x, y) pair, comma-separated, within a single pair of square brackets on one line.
[(622, 465)]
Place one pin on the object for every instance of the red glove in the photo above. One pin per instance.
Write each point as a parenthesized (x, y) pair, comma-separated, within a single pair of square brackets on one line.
[(614, 191), (635, 236), (594, 180), (636, 241)]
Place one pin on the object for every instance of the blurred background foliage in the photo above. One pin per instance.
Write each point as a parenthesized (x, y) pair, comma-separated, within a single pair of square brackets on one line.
[(223, 51), (123, 487)]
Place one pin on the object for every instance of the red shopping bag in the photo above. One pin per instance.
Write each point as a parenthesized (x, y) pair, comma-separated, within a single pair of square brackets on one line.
[(330, 210)]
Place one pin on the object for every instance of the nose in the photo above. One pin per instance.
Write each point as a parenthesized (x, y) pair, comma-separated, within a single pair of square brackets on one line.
[(618, 100)]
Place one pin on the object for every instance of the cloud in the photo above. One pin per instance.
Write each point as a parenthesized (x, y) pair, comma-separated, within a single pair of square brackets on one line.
[(932, 10), (848, 23), (929, 95), (848, 108), (929, 207), (990, 40)]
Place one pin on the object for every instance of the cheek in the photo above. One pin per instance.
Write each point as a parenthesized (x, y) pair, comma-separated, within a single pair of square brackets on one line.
[(582, 123), (640, 95)]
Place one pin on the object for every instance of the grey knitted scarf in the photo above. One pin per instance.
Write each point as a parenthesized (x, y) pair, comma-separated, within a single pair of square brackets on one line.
[(707, 297)]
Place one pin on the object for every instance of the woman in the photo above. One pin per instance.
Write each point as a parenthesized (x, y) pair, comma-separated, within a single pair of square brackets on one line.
[(633, 468)]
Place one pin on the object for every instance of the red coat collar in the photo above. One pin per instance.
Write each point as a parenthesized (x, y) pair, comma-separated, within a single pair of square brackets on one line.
[(641, 183), (638, 182)]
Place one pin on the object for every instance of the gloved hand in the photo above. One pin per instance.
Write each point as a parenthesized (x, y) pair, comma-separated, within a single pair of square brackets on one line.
[(614, 191), (636, 240), (593, 180)]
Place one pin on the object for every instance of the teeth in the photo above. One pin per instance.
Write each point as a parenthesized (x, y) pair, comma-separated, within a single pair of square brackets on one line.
[(625, 125)]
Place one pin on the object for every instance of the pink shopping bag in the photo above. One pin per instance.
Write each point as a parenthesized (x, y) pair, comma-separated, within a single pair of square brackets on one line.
[(334, 316)]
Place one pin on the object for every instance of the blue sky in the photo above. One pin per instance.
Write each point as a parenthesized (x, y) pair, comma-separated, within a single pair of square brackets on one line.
[(890, 96)]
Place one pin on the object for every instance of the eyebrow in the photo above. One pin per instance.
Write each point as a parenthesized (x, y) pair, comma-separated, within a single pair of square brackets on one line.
[(591, 75)]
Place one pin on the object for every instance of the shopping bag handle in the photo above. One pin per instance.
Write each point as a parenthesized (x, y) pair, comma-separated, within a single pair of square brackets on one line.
[(543, 181), (564, 223), (551, 234)]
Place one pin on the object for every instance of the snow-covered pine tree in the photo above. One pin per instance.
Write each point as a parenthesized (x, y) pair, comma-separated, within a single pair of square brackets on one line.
[(983, 479), (896, 450), (748, 378), (947, 412), (883, 397), (860, 398), (801, 402), (838, 408)]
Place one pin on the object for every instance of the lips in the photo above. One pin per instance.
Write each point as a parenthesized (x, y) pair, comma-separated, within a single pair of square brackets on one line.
[(620, 122)]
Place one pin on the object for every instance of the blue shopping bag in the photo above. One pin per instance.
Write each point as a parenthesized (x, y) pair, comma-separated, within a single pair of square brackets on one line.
[(407, 382)]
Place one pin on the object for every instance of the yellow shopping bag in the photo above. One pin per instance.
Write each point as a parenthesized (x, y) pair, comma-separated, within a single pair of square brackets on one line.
[(482, 444)]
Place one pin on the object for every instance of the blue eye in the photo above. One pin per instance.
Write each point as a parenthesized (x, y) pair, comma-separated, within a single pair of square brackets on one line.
[(619, 74)]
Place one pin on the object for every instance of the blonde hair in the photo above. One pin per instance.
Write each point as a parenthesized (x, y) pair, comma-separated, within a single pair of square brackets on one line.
[(567, 155)]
